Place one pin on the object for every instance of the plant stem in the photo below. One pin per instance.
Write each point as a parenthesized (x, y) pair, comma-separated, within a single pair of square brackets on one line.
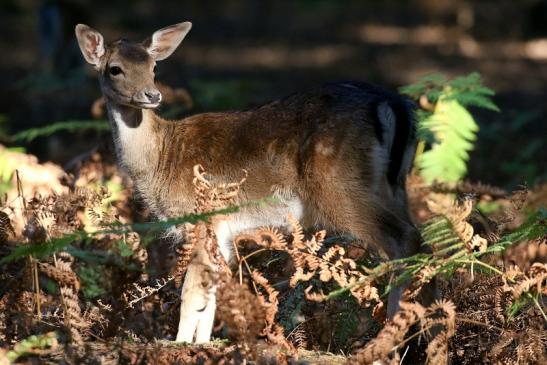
[(478, 262), (534, 299)]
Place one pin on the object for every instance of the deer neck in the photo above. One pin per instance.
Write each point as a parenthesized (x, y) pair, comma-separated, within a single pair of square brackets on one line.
[(136, 134)]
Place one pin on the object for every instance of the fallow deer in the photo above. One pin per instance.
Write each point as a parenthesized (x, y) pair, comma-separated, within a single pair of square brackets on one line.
[(336, 156)]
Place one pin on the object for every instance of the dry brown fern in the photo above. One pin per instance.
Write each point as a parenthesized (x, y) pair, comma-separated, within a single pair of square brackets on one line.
[(241, 311), (310, 259), (534, 280), (137, 292), (331, 265), (184, 255), (469, 188), (140, 255), (55, 215), (524, 254), (384, 346), (6, 229), (439, 318), (441, 322), (208, 197), (520, 347), (272, 330), (74, 321), (299, 338), (457, 214), (437, 350), (487, 332), (17, 302), (60, 275), (419, 280), (200, 242)]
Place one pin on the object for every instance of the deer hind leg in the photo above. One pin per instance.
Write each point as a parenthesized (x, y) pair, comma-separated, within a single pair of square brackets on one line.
[(400, 238), (392, 235), (362, 216)]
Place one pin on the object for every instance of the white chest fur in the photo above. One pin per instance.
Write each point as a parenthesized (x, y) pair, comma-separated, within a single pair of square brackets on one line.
[(135, 140)]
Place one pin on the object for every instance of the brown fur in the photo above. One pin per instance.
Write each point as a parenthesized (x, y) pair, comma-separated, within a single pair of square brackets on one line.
[(278, 145)]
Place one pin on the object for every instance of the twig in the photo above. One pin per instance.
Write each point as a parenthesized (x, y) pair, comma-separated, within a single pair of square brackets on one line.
[(33, 261)]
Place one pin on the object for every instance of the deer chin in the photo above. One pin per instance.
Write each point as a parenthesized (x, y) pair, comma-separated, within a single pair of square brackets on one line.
[(144, 105)]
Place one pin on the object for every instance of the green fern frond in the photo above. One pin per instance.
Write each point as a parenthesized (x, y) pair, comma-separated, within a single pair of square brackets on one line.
[(438, 233), (467, 90), (430, 85), (8, 165), (58, 244), (534, 227), (476, 100), (69, 126), (31, 345), (346, 325), (43, 249), (449, 254), (446, 125), (454, 131)]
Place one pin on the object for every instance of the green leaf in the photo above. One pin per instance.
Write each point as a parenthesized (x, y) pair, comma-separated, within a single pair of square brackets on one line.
[(124, 249), (31, 345), (92, 280)]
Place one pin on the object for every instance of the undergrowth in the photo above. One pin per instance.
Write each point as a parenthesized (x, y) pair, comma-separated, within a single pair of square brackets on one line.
[(83, 279), (80, 268)]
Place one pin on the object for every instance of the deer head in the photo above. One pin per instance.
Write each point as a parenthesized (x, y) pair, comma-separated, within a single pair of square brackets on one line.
[(127, 69)]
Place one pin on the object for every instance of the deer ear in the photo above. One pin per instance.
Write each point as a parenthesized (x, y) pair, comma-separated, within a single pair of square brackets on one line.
[(164, 41), (91, 44)]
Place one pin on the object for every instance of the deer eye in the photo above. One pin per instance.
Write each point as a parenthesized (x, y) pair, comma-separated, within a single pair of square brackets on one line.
[(115, 70)]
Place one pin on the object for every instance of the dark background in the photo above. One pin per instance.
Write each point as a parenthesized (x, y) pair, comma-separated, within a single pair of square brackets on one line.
[(245, 52)]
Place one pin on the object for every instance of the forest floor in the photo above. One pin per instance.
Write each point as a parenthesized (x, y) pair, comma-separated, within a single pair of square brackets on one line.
[(77, 288)]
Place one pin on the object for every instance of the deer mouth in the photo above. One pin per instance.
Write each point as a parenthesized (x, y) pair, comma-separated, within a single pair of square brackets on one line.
[(129, 100), (145, 105)]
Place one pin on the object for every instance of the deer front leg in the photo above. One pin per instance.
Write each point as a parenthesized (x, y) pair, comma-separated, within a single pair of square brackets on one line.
[(206, 320), (198, 304), (198, 297), (191, 303)]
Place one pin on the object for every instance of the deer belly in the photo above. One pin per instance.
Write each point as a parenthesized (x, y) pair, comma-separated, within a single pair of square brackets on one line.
[(249, 218)]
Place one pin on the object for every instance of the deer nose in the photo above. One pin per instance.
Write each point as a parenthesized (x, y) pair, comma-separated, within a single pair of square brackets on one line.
[(154, 96)]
